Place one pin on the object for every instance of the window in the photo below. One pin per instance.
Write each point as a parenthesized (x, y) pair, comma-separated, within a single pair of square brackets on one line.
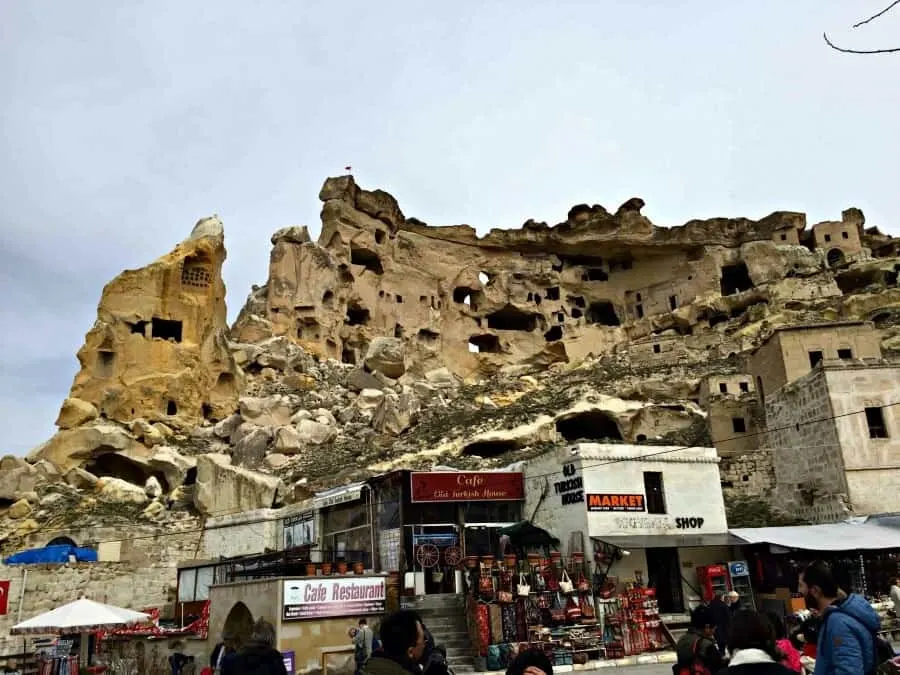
[(845, 353), (875, 422), (653, 488), (638, 296), (845, 235), (194, 583), (744, 386), (673, 302), (827, 237), (639, 311), (739, 425), (814, 358), (165, 329), (656, 349), (723, 387), (784, 237)]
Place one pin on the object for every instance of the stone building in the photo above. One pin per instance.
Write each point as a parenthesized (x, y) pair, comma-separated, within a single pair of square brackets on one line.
[(736, 419), (829, 401)]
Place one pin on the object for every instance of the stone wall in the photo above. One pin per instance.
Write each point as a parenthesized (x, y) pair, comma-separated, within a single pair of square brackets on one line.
[(806, 452), (751, 474)]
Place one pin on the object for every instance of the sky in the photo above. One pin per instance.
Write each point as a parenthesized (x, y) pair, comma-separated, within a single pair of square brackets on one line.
[(122, 124)]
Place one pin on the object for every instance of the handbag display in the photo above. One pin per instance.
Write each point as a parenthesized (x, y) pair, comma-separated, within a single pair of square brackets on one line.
[(486, 584), (584, 586), (565, 584), (573, 610), (523, 589), (504, 596)]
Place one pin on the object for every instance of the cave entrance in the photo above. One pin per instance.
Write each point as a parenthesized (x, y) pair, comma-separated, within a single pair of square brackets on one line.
[(366, 258), (484, 344), (512, 318), (554, 334), (490, 448), (118, 466), (357, 315), (166, 329), (835, 257), (735, 279), (592, 425), (603, 313)]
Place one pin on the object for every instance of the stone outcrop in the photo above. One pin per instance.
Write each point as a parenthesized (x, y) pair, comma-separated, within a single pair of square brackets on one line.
[(389, 343)]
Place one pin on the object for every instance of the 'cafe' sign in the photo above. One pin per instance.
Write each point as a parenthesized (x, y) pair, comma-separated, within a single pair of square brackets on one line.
[(453, 486)]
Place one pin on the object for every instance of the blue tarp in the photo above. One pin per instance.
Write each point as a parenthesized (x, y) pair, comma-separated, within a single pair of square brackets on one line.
[(52, 554)]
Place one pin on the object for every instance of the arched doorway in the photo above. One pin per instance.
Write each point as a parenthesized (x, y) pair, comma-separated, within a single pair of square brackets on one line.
[(239, 624), (61, 541), (835, 257)]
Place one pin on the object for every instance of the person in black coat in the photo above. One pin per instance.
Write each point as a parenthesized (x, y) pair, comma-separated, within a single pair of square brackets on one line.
[(259, 656), (751, 641), (721, 618)]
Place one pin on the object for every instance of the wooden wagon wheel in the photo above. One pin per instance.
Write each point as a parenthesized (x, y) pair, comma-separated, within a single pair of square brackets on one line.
[(428, 555), (453, 556)]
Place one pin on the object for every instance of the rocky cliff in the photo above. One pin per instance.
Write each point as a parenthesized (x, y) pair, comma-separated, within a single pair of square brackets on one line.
[(393, 343)]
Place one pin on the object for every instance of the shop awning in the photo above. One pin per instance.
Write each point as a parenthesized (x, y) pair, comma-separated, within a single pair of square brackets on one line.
[(845, 536), (627, 541), (338, 495)]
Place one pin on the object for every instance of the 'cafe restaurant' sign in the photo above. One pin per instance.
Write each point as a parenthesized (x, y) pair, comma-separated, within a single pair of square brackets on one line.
[(463, 486)]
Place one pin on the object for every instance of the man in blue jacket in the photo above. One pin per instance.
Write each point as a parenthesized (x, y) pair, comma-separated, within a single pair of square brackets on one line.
[(849, 624)]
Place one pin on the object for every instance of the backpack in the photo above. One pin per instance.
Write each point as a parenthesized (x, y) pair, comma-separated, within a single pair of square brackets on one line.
[(696, 667)]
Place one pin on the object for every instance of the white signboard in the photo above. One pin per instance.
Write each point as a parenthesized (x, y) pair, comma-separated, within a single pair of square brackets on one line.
[(333, 597)]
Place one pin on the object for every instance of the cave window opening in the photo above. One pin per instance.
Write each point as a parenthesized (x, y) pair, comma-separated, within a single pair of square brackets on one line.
[(530, 297), (463, 296), (553, 334), (423, 299), (815, 357), (380, 294), (331, 348), (398, 331), (735, 279), (783, 237), (637, 296), (171, 408), (560, 316), (673, 302), (190, 476), (640, 438), (426, 335), (577, 313), (723, 387), (739, 425), (490, 448), (357, 315), (484, 344), (603, 313), (553, 293), (366, 258), (657, 349), (845, 235), (346, 276), (511, 318), (744, 387), (827, 237), (576, 300), (348, 356), (594, 274), (537, 299), (639, 311), (835, 257), (845, 354), (379, 236), (399, 299), (717, 318), (139, 327), (593, 425), (106, 362), (166, 329), (328, 299), (759, 389)]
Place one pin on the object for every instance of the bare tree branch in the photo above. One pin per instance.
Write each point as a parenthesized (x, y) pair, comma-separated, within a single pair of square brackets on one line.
[(859, 51), (881, 13)]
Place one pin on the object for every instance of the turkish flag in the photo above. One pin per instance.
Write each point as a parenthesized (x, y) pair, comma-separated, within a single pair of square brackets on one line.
[(4, 597)]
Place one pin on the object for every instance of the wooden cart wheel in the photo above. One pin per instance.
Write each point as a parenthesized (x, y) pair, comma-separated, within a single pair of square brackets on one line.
[(453, 556), (428, 555)]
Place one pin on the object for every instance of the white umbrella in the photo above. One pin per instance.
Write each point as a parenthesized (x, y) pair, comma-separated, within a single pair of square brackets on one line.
[(80, 616)]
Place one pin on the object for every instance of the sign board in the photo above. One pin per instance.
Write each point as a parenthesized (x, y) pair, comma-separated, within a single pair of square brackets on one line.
[(615, 502), (342, 496), (739, 568), (571, 488), (334, 597), (289, 658), (299, 530), (463, 486)]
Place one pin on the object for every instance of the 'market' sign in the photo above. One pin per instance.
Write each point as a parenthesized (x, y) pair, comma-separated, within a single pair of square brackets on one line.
[(333, 597)]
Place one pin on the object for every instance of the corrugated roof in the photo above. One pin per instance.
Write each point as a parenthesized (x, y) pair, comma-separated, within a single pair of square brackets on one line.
[(845, 536)]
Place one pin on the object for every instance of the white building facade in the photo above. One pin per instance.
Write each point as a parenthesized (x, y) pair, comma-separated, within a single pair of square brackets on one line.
[(655, 512)]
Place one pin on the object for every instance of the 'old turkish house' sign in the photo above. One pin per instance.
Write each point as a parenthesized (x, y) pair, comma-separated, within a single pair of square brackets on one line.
[(452, 486)]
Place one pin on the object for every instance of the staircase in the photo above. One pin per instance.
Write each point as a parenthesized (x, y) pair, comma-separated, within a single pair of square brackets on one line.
[(445, 617)]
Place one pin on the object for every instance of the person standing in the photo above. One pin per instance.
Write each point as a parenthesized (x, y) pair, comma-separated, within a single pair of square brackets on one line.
[(751, 643), (846, 643), (697, 648), (362, 645), (721, 618), (258, 656), (791, 658), (895, 595), (220, 651), (403, 644)]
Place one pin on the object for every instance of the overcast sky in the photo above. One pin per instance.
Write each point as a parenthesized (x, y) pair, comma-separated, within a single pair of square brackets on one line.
[(123, 123)]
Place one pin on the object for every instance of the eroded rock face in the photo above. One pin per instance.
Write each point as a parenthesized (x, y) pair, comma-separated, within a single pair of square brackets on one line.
[(223, 488), (157, 350)]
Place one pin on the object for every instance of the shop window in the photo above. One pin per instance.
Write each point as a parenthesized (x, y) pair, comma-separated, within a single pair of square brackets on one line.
[(723, 387), (876, 424), (845, 354), (744, 387), (166, 329), (739, 425), (815, 357), (653, 489)]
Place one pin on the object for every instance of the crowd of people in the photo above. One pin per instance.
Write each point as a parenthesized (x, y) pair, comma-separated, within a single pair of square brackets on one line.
[(841, 635)]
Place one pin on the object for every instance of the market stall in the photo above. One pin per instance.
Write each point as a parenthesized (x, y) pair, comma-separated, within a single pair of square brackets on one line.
[(566, 607)]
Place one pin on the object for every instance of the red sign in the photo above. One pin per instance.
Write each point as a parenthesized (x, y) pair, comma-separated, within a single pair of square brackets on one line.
[(462, 486), (4, 597)]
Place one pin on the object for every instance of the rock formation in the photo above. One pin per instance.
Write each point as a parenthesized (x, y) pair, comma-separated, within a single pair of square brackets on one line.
[(392, 343)]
